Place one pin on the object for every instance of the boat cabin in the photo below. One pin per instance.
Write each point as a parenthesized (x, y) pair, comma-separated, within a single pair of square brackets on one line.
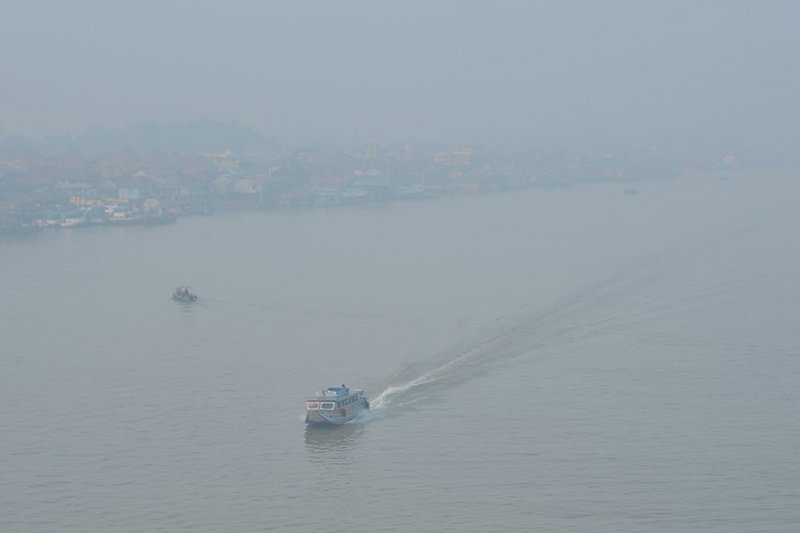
[(335, 405), (184, 294)]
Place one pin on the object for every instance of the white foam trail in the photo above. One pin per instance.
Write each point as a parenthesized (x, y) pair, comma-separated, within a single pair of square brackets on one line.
[(586, 312), (385, 397)]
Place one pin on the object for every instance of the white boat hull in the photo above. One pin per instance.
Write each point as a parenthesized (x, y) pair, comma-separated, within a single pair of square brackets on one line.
[(320, 418), (335, 406)]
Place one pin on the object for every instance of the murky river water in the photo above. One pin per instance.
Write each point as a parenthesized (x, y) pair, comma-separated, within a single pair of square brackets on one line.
[(551, 360)]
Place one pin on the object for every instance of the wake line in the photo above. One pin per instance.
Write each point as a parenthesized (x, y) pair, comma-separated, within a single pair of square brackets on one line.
[(384, 398), (574, 319), (468, 359)]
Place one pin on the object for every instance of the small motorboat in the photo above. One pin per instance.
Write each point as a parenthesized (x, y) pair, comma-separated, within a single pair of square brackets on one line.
[(335, 405), (184, 294)]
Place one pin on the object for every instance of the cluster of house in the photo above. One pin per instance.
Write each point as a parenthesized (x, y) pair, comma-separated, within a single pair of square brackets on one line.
[(157, 187)]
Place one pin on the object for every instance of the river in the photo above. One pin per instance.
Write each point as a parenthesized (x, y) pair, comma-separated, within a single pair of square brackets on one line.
[(549, 360)]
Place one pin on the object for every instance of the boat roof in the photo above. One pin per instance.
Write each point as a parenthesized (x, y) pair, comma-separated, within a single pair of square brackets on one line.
[(333, 393)]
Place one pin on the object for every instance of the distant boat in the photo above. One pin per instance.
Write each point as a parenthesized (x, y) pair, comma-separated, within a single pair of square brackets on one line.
[(73, 221), (184, 294), (335, 405), (631, 190)]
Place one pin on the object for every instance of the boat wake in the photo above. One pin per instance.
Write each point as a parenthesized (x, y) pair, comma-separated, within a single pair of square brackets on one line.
[(568, 324), (394, 392), (419, 382)]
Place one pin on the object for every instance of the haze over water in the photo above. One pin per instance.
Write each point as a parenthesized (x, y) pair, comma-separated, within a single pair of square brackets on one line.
[(551, 360)]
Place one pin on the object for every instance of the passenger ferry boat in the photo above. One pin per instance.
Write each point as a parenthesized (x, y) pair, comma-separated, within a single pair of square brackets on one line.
[(335, 405)]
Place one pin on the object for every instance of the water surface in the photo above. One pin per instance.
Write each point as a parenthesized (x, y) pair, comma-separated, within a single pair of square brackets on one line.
[(551, 360)]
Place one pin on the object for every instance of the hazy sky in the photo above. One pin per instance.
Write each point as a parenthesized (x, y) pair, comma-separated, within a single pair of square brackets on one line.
[(555, 73)]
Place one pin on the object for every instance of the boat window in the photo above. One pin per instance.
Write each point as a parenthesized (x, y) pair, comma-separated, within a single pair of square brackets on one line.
[(327, 406), (312, 405)]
